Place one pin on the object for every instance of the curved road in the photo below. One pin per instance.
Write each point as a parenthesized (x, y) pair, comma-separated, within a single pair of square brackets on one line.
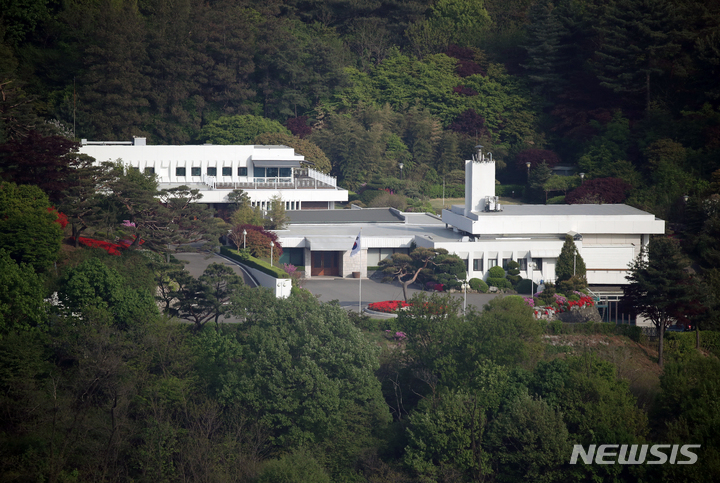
[(344, 290)]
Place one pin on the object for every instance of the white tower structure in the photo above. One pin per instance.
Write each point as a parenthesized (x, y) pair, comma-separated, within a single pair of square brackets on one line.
[(480, 183)]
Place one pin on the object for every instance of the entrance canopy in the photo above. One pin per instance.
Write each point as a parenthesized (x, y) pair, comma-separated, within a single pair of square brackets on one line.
[(330, 243)]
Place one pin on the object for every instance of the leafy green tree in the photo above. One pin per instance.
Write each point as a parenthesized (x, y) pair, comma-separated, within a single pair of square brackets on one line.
[(446, 432), (539, 175), (545, 32), (241, 129), (45, 161), (659, 286), (114, 97), (683, 414), (92, 285), (82, 199), (530, 441), (208, 297), (582, 385), (638, 38), (304, 371), (28, 231), (277, 217), (407, 268), (160, 218), (297, 467), (21, 296), (569, 263)]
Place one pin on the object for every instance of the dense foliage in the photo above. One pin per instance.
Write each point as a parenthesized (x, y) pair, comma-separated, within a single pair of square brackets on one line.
[(99, 381)]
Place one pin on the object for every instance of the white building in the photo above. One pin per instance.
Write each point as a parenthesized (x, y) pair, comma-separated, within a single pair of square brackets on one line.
[(261, 171), (482, 232)]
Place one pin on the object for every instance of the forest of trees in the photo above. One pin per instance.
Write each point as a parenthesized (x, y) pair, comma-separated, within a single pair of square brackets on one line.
[(98, 380)]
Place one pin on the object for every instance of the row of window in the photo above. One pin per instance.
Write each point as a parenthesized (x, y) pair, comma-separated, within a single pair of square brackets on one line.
[(198, 172), (523, 262)]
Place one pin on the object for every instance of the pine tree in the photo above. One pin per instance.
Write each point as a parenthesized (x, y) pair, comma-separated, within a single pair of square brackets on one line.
[(545, 34), (637, 38), (570, 263), (659, 286)]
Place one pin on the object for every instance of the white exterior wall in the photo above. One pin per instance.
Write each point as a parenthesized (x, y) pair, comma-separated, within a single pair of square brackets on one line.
[(479, 183), (165, 159)]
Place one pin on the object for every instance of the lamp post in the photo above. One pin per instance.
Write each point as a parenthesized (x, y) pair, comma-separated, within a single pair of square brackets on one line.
[(244, 235), (400, 165), (528, 167), (582, 178), (272, 245)]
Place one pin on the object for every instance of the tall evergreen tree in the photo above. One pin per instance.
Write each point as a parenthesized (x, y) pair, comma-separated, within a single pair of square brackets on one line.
[(659, 286), (569, 263), (545, 34), (637, 38)]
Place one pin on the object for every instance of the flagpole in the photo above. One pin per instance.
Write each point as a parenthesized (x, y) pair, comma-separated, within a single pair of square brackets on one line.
[(360, 284)]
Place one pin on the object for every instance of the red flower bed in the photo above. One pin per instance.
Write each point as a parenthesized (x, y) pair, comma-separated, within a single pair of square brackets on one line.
[(111, 248), (388, 306), (61, 217)]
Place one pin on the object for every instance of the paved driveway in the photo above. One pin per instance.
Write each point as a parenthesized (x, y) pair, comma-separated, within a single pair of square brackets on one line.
[(347, 292)]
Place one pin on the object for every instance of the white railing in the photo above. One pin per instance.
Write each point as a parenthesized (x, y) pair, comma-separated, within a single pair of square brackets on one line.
[(322, 177), (211, 181)]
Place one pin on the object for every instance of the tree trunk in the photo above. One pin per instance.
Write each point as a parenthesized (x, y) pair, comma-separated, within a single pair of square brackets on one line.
[(697, 336), (405, 286)]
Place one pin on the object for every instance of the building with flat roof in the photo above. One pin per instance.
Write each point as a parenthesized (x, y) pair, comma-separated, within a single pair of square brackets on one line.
[(482, 232), (261, 171)]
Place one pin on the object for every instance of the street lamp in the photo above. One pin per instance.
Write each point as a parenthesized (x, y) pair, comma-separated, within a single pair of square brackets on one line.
[(582, 178), (528, 167), (244, 235), (401, 172), (272, 245)]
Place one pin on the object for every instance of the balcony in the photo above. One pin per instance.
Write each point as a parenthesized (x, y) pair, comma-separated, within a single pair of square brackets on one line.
[(303, 179)]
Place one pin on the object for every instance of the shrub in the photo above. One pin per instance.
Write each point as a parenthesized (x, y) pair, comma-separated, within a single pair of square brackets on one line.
[(496, 272), (499, 282), (525, 286), (478, 285)]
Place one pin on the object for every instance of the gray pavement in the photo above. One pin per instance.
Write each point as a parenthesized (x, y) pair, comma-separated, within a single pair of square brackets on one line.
[(347, 292), (198, 262)]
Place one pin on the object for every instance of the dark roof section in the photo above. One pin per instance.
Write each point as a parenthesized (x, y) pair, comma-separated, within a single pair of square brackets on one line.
[(366, 215)]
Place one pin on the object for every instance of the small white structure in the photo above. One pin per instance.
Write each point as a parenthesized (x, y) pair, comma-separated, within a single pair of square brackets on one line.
[(263, 172), (482, 232)]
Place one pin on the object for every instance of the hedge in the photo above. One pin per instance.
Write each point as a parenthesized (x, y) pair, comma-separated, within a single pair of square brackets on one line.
[(253, 262)]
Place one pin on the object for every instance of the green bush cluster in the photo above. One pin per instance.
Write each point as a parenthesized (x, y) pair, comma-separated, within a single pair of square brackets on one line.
[(478, 285)]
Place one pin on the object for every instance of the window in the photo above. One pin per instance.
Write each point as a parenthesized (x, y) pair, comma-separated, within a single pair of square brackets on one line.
[(523, 264), (242, 171), (227, 171), (149, 170), (285, 172), (179, 171), (195, 172), (272, 172), (259, 172), (477, 265), (506, 261), (212, 171), (537, 264), (492, 263)]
